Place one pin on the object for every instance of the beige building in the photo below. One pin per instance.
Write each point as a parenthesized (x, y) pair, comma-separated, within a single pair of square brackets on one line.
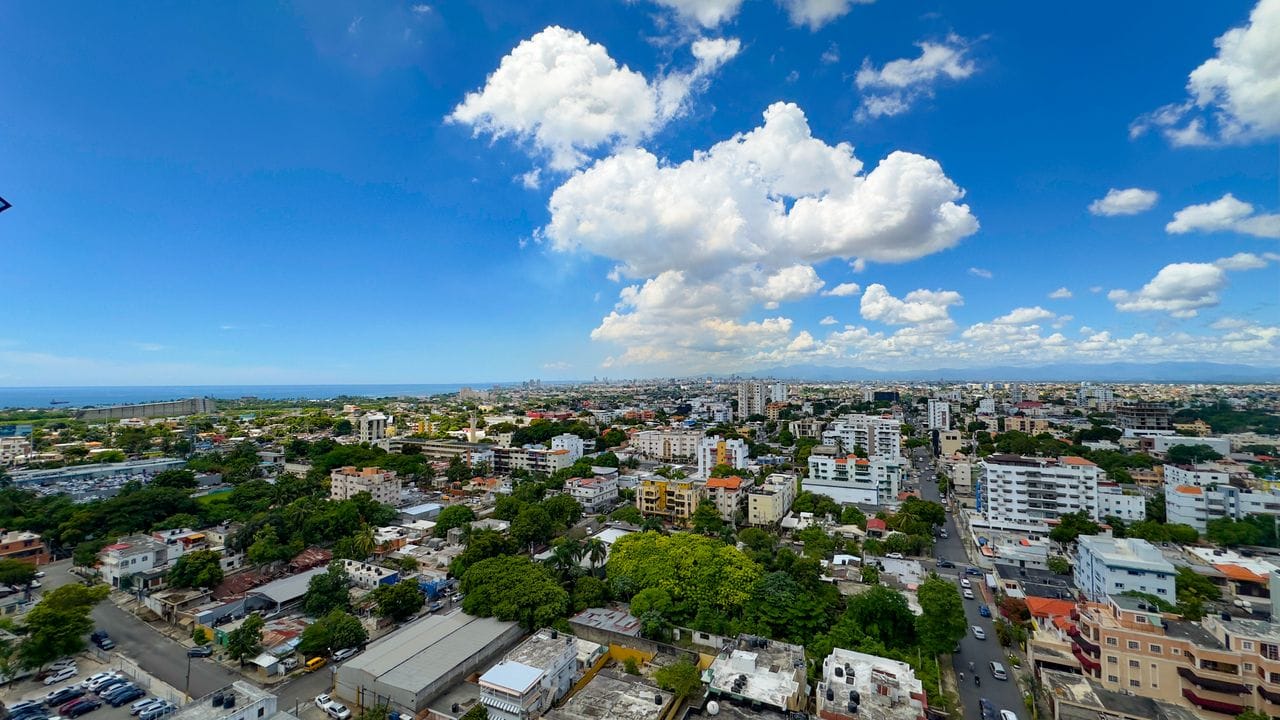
[(1213, 667), (769, 503), (382, 485), (1027, 424), (1199, 428), (808, 427), (670, 500), (667, 445), (727, 494), (950, 442)]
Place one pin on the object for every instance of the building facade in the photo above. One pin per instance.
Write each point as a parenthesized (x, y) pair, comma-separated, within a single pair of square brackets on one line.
[(851, 479), (939, 414), (531, 678), (382, 485), (1026, 493), (22, 545), (879, 435), (1144, 416), (570, 443), (1194, 495), (667, 445), (1106, 566), (728, 494), (372, 428), (594, 493), (670, 500), (532, 458), (713, 451), (768, 503)]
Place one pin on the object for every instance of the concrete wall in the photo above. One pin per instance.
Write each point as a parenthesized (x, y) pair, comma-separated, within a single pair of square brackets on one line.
[(176, 408)]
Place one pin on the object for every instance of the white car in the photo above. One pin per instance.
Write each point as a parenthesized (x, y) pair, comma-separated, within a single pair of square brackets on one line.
[(894, 556), (1008, 715), (323, 700), (979, 633), (964, 582), (968, 594), (64, 674), (337, 711), (344, 653)]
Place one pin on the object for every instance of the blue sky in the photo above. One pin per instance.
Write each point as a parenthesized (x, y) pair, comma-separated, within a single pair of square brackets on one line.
[(450, 191)]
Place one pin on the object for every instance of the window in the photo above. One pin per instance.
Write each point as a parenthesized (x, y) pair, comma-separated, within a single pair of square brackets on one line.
[(1248, 667), (1175, 651), (1134, 683), (1134, 664), (1113, 678), (1112, 659), (1112, 641), (1134, 645), (1155, 649), (1246, 644)]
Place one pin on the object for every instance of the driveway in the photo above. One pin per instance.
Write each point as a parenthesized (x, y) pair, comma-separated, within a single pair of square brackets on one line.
[(1003, 694)]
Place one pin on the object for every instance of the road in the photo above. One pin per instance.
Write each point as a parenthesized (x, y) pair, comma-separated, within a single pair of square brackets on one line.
[(1004, 695)]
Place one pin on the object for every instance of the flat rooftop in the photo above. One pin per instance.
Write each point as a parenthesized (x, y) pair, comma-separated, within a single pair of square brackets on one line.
[(203, 708), (427, 648), (616, 619), (764, 670), (540, 649), (1083, 699), (614, 696)]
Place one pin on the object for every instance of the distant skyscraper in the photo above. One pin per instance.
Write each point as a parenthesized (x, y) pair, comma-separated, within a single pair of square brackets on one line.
[(939, 415), (753, 396)]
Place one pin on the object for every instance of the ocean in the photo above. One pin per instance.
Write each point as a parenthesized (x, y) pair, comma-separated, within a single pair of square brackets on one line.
[(42, 397)]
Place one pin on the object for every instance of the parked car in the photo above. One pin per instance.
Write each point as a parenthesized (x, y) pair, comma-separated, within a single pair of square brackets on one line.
[(968, 594), (64, 662), (65, 708), (338, 711), (125, 697), (82, 706), (158, 711), (979, 633), (289, 663), (95, 678), (102, 639), (200, 651), (984, 611), (57, 697), (972, 571), (344, 653), (1008, 715), (65, 673), (144, 704), (117, 691), (107, 686), (316, 663), (322, 699), (945, 563), (988, 710), (894, 556)]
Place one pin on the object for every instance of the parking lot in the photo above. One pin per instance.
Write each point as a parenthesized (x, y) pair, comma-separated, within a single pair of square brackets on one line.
[(32, 689)]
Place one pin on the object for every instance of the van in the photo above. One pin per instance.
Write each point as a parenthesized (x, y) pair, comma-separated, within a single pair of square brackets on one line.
[(315, 663), (997, 671), (289, 663)]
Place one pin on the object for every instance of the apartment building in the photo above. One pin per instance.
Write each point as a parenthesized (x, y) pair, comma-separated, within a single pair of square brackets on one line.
[(939, 414), (372, 428), (571, 443), (987, 406), (595, 494), (382, 485), (851, 479), (1144, 416), (760, 673), (728, 494), (1162, 443), (670, 500), (15, 451), (1194, 495), (24, 546), (856, 685), (713, 451), (531, 678), (1217, 667), (1026, 424), (120, 561), (752, 399), (1106, 566), (1026, 493), (532, 458), (950, 442), (369, 576), (879, 435), (768, 503), (1095, 397), (667, 445), (807, 428)]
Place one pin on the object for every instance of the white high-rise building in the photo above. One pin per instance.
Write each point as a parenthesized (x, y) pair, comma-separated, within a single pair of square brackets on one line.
[(939, 415), (1024, 493), (372, 428), (1108, 566), (716, 450), (778, 392), (1194, 495), (880, 436), (667, 445), (570, 442), (987, 406), (753, 396)]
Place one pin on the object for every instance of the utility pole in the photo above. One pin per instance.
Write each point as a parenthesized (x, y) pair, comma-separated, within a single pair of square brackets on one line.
[(186, 691)]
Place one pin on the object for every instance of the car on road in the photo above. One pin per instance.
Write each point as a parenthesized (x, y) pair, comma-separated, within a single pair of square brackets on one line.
[(945, 563), (200, 651), (65, 673), (86, 705), (894, 556), (964, 583), (984, 611), (968, 594), (979, 633), (1008, 715), (972, 571), (344, 653), (998, 671), (437, 605), (988, 710), (316, 663)]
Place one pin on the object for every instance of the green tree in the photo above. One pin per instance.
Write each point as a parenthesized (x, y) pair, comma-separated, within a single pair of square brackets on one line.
[(482, 544), (595, 551), (327, 592), (942, 622), (563, 510), (197, 569), (335, 631), (629, 514), (697, 571), (57, 625), (652, 607), (200, 636), (870, 574), (780, 608), (532, 526), (477, 712), (245, 642), (16, 572), (452, 517), (514, 588), (589, 592), (342, 428), (400, 601), (1193, 590), (1058, 564), (706, 519), (507, 508), (1229, 532), (681, 678), (267, 548), (1252, 714), (882, 614), (1191, 454), (1073, 525), (177, 479)]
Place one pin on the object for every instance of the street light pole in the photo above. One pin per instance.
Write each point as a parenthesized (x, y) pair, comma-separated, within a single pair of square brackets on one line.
[(186, 691)]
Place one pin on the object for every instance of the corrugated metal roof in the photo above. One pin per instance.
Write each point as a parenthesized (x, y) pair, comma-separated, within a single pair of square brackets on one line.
[(425, 650), (290, 588)]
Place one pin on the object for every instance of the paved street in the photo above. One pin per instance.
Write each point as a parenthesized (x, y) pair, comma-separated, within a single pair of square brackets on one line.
[(1004, 695)]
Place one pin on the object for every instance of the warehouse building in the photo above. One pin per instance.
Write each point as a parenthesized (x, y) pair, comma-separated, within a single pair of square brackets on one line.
[(409, 668)]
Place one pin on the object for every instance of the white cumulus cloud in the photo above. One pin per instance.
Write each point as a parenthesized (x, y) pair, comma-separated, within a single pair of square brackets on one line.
[(895, 87), (1242, 261), (918, 307), (1226, 214), (1024, 316), (816, 13), (981, 272), (790, 283), (707, 13), (1129, 201), (1061, 293), (829, 320), (1180, 289), (844, 290), (1233, 97), (565, 96)]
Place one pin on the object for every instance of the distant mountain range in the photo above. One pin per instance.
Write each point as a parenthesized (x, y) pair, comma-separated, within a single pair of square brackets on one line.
[(1064, 372)]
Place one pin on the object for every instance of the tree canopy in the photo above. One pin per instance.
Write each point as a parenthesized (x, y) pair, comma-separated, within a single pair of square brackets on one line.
[(336, 630), (513, 587), (452, 517), (196, 569), (696, 571), (56, 627), (399, 601), (327, 592), (942, 621)]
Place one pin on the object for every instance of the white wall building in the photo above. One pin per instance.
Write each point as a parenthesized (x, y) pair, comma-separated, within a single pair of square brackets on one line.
[(372, 428), (593, 493), (856, 685), (716, 450), (879, 435), (1106, 566), (987, 406), (752, 398), (939, 414), (531, 678), (667, 445), (570, 442), (851, 479), (1194, 495), (1162, 443), (1024, 493), (771, 501), (382, 485)]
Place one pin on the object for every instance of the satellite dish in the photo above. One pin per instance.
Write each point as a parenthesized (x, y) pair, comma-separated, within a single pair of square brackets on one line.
[(713, 708)]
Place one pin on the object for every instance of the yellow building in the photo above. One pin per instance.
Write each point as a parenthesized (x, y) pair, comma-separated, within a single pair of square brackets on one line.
[(671, 500), (1027, 424)]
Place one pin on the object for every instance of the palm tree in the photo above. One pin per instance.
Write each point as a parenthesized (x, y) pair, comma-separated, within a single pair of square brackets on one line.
[(596, 551), (363, 541), (563, 561)]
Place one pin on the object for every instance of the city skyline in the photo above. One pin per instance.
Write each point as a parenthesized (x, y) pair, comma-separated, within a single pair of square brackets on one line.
[(413, 192)]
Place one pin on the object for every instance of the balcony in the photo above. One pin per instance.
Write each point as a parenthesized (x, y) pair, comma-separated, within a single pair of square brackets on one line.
[(1087, 646), (1269, 695), (1089, 665), (1211, 705), (1221, 686)]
